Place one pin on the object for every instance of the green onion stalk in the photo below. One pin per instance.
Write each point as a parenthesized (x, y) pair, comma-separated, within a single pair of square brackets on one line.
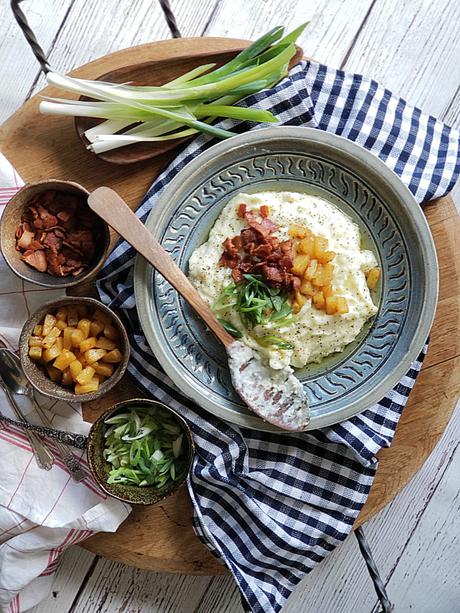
[(182, 107)]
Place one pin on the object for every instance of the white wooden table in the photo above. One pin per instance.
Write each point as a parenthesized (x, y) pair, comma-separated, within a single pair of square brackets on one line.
[(412, 47)]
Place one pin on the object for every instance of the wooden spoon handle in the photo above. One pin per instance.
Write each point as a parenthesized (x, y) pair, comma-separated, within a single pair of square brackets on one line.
[(114, 210)]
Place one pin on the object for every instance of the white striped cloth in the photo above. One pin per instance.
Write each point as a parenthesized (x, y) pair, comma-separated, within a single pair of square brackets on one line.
[(272, 507), (41, 512)]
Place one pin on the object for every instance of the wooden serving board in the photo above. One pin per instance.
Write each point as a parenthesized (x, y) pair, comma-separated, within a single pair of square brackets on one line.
[(161, 537)]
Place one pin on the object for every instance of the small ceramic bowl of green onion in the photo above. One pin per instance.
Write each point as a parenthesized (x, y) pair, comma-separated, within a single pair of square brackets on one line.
[(140, 451)]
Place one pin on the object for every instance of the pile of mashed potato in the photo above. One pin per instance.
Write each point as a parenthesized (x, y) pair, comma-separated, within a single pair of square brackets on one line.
[(314, 334)]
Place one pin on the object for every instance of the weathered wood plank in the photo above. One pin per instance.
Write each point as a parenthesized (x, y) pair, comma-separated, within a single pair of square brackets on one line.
[(333, 26), (19, 68), (123, 24), (427, 576), (412, 47), (116, 587), (74, 566)]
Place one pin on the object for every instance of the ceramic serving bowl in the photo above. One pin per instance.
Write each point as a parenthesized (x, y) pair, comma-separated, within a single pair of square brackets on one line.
[(11, 220), (392, 225), (36, 373), (100, 468)]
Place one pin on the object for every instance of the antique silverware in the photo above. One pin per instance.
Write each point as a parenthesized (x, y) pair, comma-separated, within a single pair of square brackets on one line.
[(14, 378)]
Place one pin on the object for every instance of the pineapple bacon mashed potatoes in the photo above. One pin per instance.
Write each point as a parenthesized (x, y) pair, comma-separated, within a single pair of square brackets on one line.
[(321, 280)]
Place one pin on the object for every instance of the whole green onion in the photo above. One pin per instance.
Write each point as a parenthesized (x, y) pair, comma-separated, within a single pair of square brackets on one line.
[(184, 106)]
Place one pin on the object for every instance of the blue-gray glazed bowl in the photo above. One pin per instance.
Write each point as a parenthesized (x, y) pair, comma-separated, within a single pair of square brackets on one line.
[(392, 225)]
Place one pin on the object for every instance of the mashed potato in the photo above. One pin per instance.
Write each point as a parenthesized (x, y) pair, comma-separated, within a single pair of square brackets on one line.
[(314, 334)]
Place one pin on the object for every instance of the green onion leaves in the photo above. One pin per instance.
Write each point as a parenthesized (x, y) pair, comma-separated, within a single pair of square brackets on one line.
[(144, 447), (184, 106)]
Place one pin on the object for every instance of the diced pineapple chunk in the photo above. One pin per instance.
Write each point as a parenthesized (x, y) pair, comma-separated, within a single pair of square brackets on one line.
[(105, 343), (67, 337), (59, 342), (328, 291), (104, 370), (96, 328), (35, 353), (51, 353), (298, 231), (342, 305), (77, 338), (48, 324), (86, 375), (326, 256), (87, 344), (35, 341), (307, 288), (328, 271), (307, 246), (300, 264), (319, 300), (321, 246), (51, 337), (38, 330), (64, 359), (61, 324), (113, 357), (373, 277), (91, 386), (331, 305), (94, 355), (318, 279), (311, 270), (66, 378), (300, 299), (75, 368), (84, 325)]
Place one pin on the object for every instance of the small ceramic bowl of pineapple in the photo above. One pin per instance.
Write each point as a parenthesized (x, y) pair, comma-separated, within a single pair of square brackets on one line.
[(74, 349)]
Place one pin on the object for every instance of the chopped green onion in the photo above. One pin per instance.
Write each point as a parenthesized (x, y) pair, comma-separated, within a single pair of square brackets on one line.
[(144, 448)]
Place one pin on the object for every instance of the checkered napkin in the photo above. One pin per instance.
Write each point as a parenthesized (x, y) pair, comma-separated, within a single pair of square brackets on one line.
[(271, 507), (41, 512)]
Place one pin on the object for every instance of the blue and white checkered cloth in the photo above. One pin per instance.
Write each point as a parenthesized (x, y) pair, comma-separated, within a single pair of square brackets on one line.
[(272, 507)]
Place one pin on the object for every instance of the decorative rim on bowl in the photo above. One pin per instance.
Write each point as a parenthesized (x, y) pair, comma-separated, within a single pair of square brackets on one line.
[(375, 194)]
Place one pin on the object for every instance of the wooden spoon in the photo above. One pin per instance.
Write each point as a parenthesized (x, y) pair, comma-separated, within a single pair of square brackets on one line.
[(275, 395), (156, 73)]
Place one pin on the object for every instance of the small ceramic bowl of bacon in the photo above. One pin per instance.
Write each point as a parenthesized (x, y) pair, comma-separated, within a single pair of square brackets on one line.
[(49, 235)]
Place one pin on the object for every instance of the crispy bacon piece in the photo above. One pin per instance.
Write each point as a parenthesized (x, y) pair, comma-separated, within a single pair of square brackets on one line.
[(36, 259), (58, 234), (257, 251), (264, 210), (241, 212)]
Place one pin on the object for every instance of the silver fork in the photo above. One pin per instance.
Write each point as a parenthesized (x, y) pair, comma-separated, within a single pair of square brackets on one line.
[(70, 460)]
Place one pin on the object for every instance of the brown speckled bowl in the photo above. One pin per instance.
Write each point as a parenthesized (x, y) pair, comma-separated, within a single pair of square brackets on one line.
[(37, 375), (11, 219), (131, 493)]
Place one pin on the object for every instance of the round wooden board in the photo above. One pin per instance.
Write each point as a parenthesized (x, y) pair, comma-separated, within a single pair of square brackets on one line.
[(161, 537)]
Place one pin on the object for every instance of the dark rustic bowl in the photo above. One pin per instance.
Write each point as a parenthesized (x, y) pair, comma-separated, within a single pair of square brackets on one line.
[(38, 377), (11, 219), (100, 468)]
